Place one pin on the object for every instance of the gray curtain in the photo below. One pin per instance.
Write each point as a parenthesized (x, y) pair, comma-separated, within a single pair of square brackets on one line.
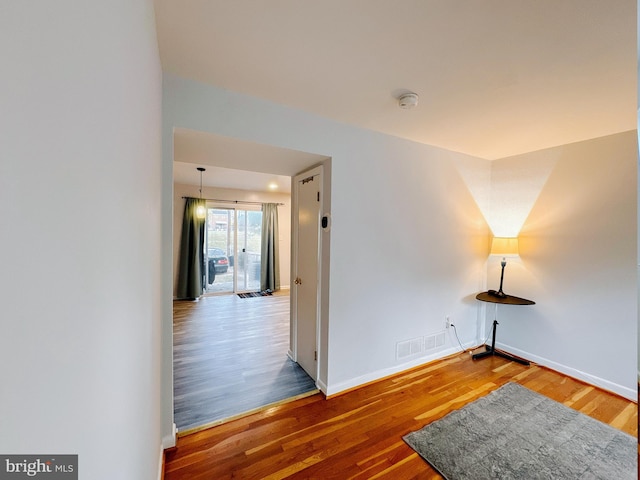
[(269, 268), (191, 273)]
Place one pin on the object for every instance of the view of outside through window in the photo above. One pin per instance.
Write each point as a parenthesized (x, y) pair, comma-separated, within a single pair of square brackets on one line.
[(226, 263)]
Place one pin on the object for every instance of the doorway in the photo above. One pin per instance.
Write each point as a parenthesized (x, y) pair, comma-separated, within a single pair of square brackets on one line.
[(230, 353), (233, 238), (240, 167)]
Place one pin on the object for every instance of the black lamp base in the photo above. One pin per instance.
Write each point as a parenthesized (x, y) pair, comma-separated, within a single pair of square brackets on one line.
[(500, 293)]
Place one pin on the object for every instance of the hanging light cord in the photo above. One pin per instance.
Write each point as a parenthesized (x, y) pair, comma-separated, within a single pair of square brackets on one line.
[(201, 169), (201, 211)]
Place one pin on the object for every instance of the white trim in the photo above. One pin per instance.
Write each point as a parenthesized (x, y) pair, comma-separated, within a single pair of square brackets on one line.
[(629, 393), (169, 441), (293, 271), (160, 461), (321, 386), (320, 172)]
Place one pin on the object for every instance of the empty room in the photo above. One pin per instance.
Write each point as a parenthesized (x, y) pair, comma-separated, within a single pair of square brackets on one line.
[(458, 243)]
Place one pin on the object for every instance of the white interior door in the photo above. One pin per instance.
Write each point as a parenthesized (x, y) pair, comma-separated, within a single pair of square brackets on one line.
[(308, 188)]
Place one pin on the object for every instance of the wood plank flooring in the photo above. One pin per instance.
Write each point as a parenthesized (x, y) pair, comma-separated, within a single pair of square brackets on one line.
[(358, 435), (230, 357)]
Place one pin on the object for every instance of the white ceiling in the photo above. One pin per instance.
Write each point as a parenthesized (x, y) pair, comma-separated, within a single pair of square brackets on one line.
[(495, 77)]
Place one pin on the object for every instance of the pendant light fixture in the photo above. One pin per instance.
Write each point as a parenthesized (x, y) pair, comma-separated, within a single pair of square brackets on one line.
[(201, 211)]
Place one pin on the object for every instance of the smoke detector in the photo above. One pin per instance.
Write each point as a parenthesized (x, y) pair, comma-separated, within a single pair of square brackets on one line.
[(408, 100)]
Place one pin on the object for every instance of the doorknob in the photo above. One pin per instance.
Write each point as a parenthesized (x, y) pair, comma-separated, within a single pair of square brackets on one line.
[(298, 281)]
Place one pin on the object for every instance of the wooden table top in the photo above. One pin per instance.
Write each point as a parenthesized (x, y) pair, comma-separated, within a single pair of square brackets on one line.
[(492, 297)]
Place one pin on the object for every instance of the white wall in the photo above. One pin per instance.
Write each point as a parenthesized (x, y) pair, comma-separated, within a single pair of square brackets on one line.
[(80, 183), (408, 242), (578, 263), (408, 250), (284, 220)]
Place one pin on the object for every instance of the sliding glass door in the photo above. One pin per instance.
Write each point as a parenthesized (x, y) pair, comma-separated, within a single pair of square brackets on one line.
[(249, 238), (220, 241), (233, 239)]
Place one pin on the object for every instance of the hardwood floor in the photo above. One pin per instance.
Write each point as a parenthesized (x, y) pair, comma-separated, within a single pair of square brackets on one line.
[(230, 357), (358, 435)]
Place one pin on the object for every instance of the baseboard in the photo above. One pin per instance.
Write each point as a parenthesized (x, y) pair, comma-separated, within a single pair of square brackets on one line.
[(386, 372), (322, 386), (626, 392), (169, 441), (161, 464), (290, 355)]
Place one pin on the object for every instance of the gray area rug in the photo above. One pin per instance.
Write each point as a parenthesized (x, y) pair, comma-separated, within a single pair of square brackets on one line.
[(514, 433)]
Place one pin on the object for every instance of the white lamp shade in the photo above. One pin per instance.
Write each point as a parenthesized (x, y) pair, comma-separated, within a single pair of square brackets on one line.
[(505, 247)]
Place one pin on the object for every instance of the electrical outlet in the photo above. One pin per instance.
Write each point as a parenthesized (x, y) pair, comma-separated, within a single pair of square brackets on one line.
[(447, 322)]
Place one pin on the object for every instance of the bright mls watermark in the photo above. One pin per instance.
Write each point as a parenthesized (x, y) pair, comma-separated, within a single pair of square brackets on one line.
[(49, 467)]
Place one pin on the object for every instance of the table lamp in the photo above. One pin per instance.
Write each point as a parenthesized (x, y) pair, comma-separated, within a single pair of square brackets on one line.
[(504, 247)]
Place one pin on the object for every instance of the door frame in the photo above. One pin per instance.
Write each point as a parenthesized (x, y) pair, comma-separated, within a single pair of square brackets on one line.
[(293, 330)]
